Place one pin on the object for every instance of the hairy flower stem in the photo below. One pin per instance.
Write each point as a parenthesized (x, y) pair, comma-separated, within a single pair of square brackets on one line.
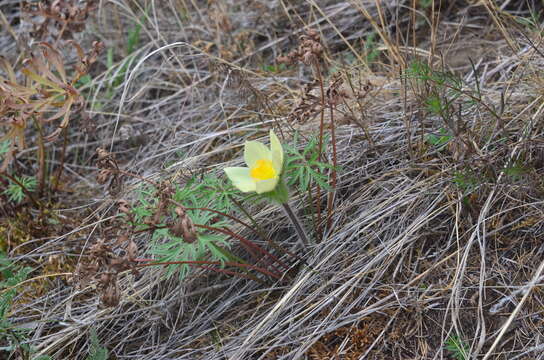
[(297, 224), (259, 231)]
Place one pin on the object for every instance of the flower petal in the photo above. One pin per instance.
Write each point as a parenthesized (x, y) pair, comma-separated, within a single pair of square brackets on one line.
[(264, 186), (253, 151), (277, 152), (241, 178)]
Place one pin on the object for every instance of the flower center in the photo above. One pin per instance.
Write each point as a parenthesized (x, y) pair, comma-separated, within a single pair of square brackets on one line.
[(263, 170)]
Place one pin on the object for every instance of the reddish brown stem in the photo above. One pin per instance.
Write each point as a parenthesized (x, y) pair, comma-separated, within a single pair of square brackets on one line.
[(41, 159), (249, 227), (248, 244), (320, 149), (333, 172), (62, 157)]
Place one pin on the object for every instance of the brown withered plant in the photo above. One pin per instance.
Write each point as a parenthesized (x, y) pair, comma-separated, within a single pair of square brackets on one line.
[(58, 19), (44, 96), (109, 171)]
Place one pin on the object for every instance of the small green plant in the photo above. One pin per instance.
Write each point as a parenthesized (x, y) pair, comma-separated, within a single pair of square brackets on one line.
[(96, 351), (188, 224), (10, 277), (16, 192), (447, 96), (4, 148), (371, 49), (133, 39), (275, 69), (531, 22), (41, 95), (303, 167), (439, 140), (459, 349), (199, 193), (516, 171), (466, 181), (425, 4)]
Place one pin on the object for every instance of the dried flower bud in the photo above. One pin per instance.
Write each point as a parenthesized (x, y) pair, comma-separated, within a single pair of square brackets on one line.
[(100, 250), (103, 176), (308, 58), (102, 154), (111, 295), (307, 44), (313, 34), (184, 227)]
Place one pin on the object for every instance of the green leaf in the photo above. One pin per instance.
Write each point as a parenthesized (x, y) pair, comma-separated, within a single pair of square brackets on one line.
[(4, 148), (15, 192), (11, 276), (109, 58), (458, 347), (96, 351), (439, 140), (280, 194), (84, 80), (133, 38)]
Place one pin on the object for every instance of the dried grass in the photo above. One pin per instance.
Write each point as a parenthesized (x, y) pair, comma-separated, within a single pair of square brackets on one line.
[(410, 260)]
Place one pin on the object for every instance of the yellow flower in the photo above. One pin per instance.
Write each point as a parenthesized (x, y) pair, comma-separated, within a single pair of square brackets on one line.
[(264, 167)]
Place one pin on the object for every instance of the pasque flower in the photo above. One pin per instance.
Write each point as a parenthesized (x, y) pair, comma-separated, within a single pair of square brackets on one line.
[(264, 167)]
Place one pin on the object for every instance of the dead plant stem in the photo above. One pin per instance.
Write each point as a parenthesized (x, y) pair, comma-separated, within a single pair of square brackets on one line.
[(332, 192), (41, 158), (320, 149)]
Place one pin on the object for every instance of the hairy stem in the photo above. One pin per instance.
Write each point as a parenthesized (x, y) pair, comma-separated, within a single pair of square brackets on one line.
[(297, 224), (259, 231)]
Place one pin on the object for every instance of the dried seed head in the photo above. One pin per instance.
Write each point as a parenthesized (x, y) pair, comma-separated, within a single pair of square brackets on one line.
[(111, 295), (103, 176), (313, 34), (121, 239), (317, 49), (308, 58), (100, 250), (184, 227)]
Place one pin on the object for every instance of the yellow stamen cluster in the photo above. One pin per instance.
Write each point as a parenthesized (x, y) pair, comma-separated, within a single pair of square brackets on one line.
[(263, 170)]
